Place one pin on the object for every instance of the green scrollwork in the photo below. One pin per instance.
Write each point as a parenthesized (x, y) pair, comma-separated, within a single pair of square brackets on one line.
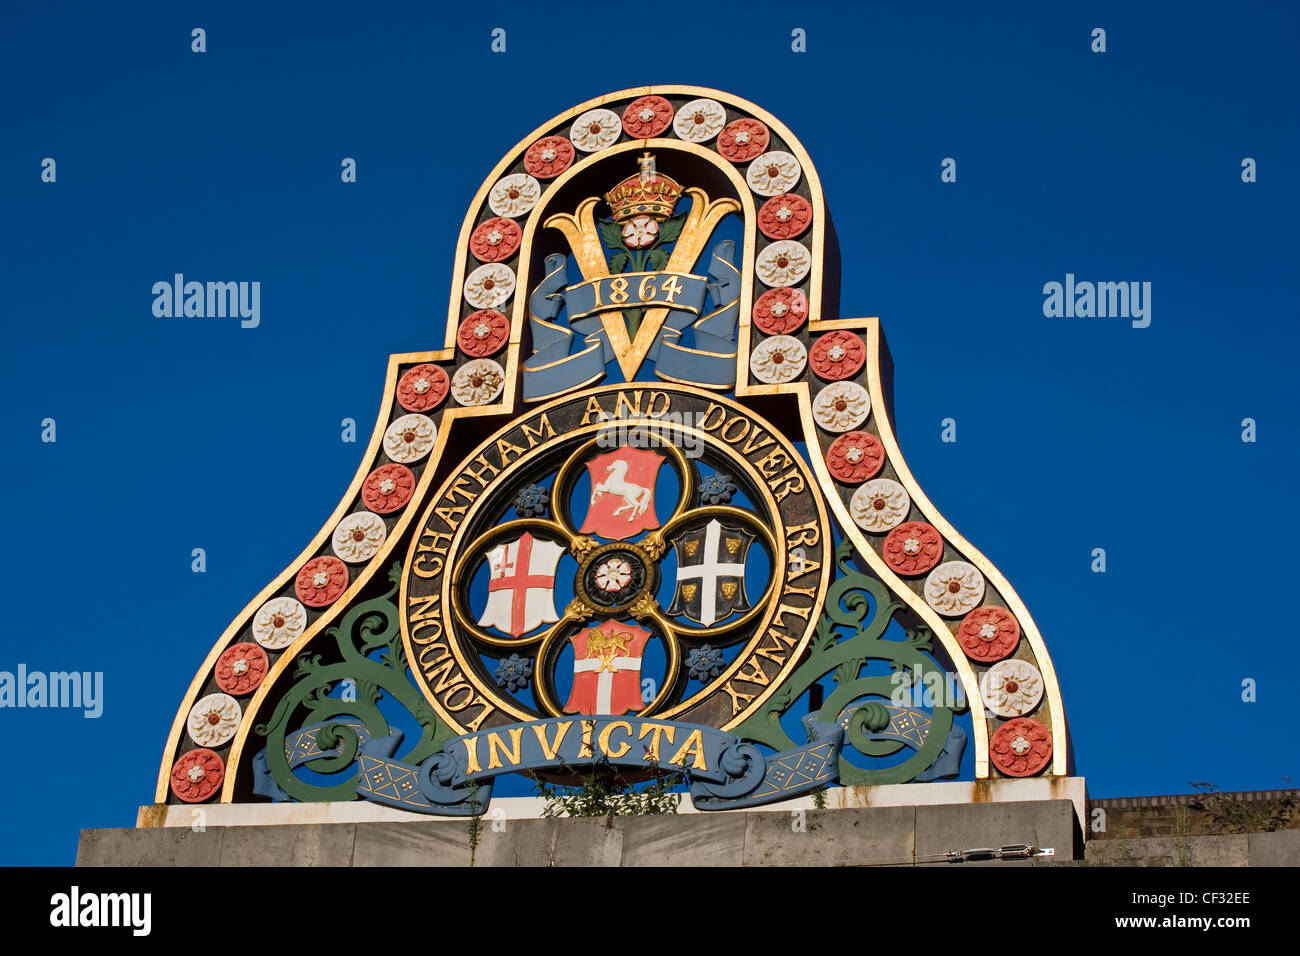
[(368, 627), (847, 606)]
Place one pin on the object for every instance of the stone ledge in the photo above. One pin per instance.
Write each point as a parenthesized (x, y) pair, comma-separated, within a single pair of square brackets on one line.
[(851, 836), (1277, 848), (944, 793)]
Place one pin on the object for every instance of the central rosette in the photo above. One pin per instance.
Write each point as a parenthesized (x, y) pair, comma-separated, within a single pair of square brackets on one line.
[(613, 577)]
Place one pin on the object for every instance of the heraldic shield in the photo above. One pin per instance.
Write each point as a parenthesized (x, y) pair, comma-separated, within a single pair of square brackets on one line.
[(622, 493), (711, 573), (643, 505), (521, 592), (607, 669)]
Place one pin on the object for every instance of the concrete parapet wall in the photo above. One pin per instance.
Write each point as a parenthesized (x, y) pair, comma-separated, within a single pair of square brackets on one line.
[(865, 836)]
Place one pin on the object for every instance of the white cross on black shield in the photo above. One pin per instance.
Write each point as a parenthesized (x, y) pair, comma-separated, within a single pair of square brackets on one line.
[(711, 573)]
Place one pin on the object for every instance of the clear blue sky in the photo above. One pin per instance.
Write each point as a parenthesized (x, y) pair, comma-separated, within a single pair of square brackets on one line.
[(1073, 434)]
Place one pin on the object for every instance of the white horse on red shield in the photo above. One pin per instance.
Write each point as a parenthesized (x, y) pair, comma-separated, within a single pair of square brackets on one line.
[(635, 498)]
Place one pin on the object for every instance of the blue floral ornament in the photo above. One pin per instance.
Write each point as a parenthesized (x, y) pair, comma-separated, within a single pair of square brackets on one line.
[(704, 663), (514, 673), (532, 502), (717, 489)]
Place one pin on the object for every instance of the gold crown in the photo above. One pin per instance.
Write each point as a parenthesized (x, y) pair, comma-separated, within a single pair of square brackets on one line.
[(649, 193)]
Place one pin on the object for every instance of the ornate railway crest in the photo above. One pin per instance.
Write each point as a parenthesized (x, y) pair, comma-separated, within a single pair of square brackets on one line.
[(644, 507)]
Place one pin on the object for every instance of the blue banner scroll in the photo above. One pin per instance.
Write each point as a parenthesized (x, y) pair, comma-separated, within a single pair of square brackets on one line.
[(428, 788), (712, 360), (723, 772), (572, 351), (755, 779)]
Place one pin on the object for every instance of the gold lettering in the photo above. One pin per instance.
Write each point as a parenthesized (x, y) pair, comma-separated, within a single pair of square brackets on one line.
[(431, 547), (465, 702), (428, 607), (706, 420), (775, 460), (485, 471), (505, 450), (433, 544), (756, 676), (587, 727), (461, 487), (657, 731), (622, 402), (594, 412), (783, 609), (807, 534), (549, 750), (754, 444), (432, 570), (789, 483), (447, 673), (544, 429), (427, 632), (433, 640), (471, 751), (694, 745), (791, 589), (776, 652), (452, 516), (487, 709), (512, 754), (663, 410), (608, 729), (798, 565), (736, 698), (727, 429), (646, 291)]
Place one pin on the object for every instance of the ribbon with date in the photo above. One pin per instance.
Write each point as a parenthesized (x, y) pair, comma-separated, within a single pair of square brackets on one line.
[(572, 351)]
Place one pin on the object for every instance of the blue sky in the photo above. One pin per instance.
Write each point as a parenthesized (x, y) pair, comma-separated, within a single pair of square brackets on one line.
[(1073, 434)]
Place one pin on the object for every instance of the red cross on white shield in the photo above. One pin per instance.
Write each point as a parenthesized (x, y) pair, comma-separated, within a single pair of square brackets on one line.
[(521, 590)]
